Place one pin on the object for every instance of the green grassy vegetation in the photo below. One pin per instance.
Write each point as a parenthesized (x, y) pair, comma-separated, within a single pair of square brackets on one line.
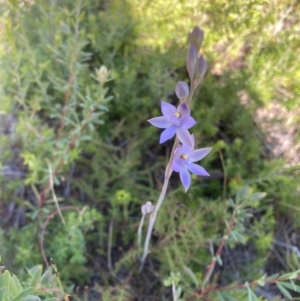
[(79, 158)]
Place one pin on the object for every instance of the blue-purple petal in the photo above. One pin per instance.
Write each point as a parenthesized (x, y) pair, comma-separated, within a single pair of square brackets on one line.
[(176, 165), (197, 170), (160, 122), (187, 122), (185, 178), (178, 152), (184, 110), (184, 137), (199, 154), (167, 109), (185, 149), (167, 134)]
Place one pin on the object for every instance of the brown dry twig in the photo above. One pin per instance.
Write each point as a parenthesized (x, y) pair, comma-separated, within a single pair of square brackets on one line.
[(211, 266)]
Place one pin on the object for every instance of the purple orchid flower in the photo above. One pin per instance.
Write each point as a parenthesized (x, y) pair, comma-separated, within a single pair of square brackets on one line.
[(174, 121), (183, 162)]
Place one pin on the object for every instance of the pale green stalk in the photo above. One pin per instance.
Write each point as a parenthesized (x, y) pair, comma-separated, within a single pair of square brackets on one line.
[(53, 192), (140, 231), (174, 291), (109, 246), (159, 203)]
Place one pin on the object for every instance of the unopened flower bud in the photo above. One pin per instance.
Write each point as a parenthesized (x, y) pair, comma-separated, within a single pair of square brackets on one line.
[(191, 61), (182, 90), (201, 69), (196, 37), (147, 208), (102, 74)]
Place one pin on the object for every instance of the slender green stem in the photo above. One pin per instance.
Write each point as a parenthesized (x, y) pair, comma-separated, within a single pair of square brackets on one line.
[(174, 291), (140, 231), (53, 192), (109, 246), (159, 203)]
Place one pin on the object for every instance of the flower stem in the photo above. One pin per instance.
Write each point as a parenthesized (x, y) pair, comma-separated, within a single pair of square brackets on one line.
[(162, 195), (174, 291), (140, 231)]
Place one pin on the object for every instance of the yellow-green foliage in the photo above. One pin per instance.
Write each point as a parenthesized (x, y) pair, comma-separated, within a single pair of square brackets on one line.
[(36, 286)]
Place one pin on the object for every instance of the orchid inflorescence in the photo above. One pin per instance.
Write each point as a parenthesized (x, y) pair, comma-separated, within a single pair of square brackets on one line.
[(178, 121)]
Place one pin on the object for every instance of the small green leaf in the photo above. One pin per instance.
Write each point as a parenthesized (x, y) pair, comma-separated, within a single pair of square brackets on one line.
[(6, 279), (257, 196), (192, 275), (231, 203), (284, 291), (85, 138), (99, 121), (292, 275), (28, 291), (219, 259), (32, 298), (178, 291), (46, 276), (168, 282), (272, 277), (242, 194), (18, 284), (220, 296), (37, 277), (2, 293), (13, 288), (251, 294), (226, 297), (91, 126), (292, 286), (103, 108), (261, 282), (175, 278)]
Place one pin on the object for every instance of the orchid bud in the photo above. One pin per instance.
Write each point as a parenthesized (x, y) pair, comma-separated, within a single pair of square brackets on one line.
[(147, 208), (182, 90), (201, 69), (196, 37), (191, 61)]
